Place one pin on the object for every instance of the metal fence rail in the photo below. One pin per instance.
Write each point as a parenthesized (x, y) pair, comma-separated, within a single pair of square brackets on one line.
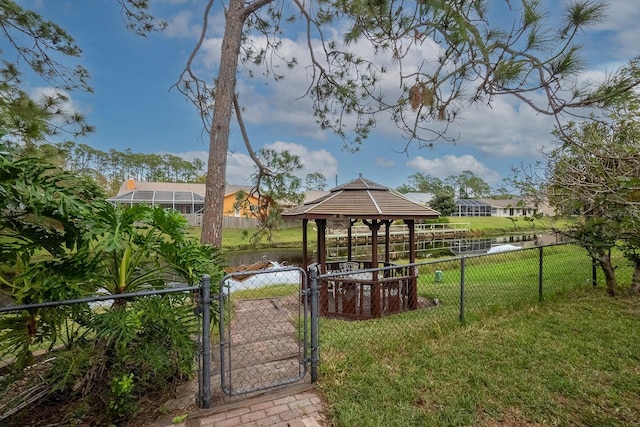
[(271, 322), (449, 292), (51, 356), (263, 332)]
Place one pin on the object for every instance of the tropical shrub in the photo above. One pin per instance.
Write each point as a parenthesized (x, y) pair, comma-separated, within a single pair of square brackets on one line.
[(60, 240)]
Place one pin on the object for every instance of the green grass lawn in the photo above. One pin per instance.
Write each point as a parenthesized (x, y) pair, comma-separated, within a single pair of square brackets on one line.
[(571, 361), (497, 225), (235, 239), (238, 239)]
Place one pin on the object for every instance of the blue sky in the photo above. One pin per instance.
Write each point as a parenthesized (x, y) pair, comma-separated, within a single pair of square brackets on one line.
[(134, 106)]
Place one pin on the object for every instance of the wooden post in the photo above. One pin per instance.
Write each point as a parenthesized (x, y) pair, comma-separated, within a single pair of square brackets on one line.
[(413, 281), (375, 291), (349, 252), (321, 225), (305, 254), (387, 246)]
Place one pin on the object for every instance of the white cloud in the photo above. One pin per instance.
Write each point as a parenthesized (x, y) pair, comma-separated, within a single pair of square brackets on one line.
[(508, 129), (240, 167), (68, 107), (211, 52), (321, 161), (448, 165), (266, 101), (385, 162), (505, 130), (187, 23), (180, 26), (622, 24)]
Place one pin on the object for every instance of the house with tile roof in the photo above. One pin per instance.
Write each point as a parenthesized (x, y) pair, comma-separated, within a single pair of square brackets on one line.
[(186, 198)]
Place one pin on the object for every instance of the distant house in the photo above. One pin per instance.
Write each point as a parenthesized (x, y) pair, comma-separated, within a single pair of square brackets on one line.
[(513, 207), (186, 198), (471, 207), (510, 207)]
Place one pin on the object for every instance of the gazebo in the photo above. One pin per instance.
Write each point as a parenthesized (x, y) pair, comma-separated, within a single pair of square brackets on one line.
[(351, 292)]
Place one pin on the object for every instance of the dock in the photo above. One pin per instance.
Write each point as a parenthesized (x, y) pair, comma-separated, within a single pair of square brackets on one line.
[(427, 236)]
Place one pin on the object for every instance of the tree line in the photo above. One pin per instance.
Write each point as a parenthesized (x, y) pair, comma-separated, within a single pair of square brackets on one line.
[(111, 168), (467, 185), (529, 53)]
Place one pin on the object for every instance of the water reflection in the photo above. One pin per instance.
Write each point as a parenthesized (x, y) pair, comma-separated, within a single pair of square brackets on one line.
[(481, 246), (291, 256)]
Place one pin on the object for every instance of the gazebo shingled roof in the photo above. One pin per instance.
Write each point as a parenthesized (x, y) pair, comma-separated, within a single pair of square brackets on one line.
[(376, 206), (362, 199)]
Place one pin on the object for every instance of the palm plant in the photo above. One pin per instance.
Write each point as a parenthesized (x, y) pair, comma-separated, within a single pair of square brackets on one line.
[(140, 246), (59, 240), (45, 214)]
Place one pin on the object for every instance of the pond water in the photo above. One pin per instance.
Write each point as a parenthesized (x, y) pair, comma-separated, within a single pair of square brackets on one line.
[(458, 246), (292, 256)]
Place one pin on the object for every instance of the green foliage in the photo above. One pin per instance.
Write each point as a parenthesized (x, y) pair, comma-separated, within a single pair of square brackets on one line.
[(443, 203), (471, 186), (504, 55), (595, 174), (274, 183), (138, 19), (168, 324), (121, 403), (45, 49), (43, 207), (315, 181), (45, 218), (59, 241), (141, 245), (110, 168), (151, 337), (468, 185), (179, 418)]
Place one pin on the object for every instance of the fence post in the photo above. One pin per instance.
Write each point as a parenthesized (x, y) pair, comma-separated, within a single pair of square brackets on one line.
[(313, 288), (462, 289), (594, 273), (540, 258), (204, 397)]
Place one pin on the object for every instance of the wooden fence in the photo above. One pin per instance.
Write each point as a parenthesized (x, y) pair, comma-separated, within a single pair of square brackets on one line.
[(235, 222)]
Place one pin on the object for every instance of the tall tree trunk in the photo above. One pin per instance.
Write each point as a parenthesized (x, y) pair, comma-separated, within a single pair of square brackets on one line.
[(635, 280), (609, 272), (609, 277), (219, 133)]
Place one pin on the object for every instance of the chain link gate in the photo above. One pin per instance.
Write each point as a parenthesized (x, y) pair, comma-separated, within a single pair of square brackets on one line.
[(264, 332)]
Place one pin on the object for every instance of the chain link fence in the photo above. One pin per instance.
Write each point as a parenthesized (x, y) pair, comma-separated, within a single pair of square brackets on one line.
[(264, 338), (270, 322), (107, 359), (448, 292), (129, 359)]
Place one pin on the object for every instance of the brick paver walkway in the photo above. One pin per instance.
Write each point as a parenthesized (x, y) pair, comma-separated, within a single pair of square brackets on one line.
[(265, 350), (292, 406)]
